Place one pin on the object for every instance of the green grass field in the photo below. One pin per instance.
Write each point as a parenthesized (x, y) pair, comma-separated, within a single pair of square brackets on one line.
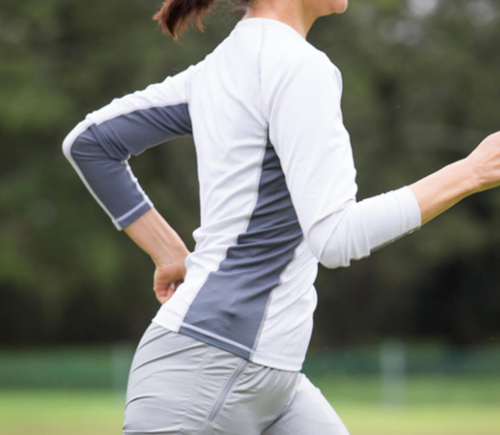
[(82, 413), (435, 406)]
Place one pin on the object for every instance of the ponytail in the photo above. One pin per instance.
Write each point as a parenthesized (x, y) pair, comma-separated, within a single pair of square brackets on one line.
[(174, 15)]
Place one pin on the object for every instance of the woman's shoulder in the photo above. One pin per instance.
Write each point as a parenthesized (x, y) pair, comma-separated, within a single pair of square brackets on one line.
[(294, 64), (291, 54)]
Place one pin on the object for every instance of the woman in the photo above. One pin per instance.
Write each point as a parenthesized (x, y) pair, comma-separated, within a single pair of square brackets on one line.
[(277, 190)]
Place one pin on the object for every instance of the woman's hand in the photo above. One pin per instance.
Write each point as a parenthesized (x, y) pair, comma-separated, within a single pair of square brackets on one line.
[(168, 277), (157, 238), (485, 163)]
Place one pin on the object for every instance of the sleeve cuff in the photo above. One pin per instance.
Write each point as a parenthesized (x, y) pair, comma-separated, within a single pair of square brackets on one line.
[(410, 208), (134, 214)]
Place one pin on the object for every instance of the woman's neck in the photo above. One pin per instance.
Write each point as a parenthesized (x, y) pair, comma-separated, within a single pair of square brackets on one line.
[(292, 14)]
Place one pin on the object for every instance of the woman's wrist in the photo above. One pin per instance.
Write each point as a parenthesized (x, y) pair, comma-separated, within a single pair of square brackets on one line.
[(168, 255), (446, 187), (484, 164), (467, 178), (157, 238)]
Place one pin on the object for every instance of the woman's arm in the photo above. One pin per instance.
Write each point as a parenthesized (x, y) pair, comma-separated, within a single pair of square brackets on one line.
[(445, 188), (157, 238), (363, 227), (307, 131), (99, 149)]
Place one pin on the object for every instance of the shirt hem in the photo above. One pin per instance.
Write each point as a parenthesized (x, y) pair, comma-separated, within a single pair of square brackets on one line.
[(277, 362), (166, 322)]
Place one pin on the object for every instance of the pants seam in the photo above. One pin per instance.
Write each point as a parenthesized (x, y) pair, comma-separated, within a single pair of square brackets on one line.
[(221, 399)]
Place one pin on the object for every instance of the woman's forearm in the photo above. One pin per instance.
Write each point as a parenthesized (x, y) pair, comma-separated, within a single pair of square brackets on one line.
[(157, 238), (443, 189)]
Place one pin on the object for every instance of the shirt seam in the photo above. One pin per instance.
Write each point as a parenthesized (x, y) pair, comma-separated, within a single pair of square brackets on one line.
[(261, 49)]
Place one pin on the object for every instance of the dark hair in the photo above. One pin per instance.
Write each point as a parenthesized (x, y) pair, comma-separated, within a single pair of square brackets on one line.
[(174, 15)]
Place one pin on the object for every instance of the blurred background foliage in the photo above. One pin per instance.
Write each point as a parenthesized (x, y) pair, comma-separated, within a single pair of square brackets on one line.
[(421, 89)]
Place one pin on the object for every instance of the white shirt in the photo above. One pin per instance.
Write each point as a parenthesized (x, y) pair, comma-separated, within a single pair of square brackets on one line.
[(277, 187)]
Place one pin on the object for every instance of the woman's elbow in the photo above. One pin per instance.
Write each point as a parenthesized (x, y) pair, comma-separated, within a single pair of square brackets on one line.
[(335, 258), (70, 143), (75, 140), (66, 147), (347, 242), (330, 250)]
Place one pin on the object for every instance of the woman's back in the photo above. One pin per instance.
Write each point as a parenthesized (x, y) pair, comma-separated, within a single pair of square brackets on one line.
[(249, 283), (277, 188)]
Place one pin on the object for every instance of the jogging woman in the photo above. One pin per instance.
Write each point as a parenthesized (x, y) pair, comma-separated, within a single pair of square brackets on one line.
[(278, 195)]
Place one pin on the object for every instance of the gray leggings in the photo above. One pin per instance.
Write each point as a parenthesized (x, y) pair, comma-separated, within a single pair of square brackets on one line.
[(179, 385)]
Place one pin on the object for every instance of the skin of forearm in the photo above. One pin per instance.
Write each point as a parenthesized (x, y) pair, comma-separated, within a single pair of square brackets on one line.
[(157, 238), (443, 189)]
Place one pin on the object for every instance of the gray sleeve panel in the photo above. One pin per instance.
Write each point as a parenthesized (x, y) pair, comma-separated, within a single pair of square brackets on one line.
[(102, 151), (135, 132), (110, 180)]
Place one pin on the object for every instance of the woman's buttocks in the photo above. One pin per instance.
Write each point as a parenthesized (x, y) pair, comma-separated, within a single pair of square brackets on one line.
[(184, 385)]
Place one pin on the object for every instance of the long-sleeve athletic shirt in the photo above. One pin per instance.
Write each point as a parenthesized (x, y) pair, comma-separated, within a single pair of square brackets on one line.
[(277, 187)]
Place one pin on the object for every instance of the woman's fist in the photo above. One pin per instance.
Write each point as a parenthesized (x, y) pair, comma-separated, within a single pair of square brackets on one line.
[(485, 163), (167, 279)]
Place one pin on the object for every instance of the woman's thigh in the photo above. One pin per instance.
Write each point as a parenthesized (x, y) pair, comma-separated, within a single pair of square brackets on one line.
[(179, 385), (308, 413)]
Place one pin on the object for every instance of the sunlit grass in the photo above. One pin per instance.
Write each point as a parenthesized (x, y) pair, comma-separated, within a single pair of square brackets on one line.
[(58, 413), (444, 419), (434, 407)]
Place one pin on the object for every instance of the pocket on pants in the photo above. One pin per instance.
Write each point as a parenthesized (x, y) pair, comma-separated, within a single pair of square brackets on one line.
[(219, 403)]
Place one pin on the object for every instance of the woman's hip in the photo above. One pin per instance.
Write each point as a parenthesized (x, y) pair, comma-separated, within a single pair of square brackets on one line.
[(179, 385)]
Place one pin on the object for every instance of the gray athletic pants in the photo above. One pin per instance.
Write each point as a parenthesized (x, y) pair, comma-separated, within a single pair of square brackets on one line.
[(179, 385)]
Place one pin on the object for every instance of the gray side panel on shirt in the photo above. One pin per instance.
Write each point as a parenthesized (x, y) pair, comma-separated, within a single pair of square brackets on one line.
[(101, 153), (230, 307)]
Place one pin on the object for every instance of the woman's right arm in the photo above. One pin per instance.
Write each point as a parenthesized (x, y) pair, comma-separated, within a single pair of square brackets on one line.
[(99, 149), (307, 131)]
